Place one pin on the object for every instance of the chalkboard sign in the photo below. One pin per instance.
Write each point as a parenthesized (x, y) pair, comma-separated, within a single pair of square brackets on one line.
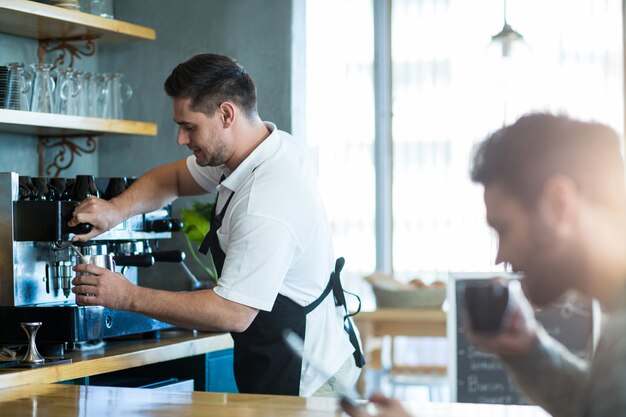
[(480, 377)]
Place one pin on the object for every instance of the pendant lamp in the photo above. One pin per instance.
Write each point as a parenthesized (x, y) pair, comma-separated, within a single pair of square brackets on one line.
[(507, 38)]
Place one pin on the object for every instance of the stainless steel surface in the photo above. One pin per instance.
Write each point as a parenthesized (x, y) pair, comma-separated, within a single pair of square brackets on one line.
[(93, 249), (131, 248), (9, 193), (36, 274), (32, 355), (63, 273), (103, 261)]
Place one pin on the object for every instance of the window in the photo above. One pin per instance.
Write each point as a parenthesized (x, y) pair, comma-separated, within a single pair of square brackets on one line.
[(449, 91), (340, 122)]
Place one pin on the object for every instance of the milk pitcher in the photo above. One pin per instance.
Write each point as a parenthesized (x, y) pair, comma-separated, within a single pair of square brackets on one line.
[(19, 83), (91, 97), (67, 92), (43, 89), (115, 94)]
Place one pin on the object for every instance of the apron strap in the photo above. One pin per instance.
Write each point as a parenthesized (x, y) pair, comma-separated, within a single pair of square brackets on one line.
[(211, 238), (334, 285)]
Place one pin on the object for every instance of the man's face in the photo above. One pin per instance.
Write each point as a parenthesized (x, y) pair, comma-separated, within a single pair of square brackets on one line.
[(203, 135), (530, 245)]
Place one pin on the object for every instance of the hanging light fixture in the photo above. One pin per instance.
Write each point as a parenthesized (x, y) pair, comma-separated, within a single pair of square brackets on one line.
[(507, 37)]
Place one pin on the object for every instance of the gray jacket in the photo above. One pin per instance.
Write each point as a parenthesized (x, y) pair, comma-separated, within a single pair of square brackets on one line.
[(567, 386)]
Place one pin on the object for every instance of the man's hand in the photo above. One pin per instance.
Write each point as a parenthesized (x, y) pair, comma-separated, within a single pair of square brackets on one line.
[(103, 215), (387, 407), (519, 333), (103, 287)]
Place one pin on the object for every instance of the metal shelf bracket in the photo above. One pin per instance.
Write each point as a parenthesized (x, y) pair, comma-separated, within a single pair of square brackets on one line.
[(64, 157), (66, 47)]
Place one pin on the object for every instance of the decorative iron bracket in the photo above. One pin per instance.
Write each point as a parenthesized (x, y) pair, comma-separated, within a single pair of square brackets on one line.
[(65, 155), (66, 47)]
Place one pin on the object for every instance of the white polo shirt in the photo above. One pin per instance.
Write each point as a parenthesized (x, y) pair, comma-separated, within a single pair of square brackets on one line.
[(277, 240)]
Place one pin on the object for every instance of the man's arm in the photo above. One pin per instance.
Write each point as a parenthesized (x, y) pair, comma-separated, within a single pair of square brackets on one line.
[(551, 376), (201, 310), (545, 371), (152, 191)]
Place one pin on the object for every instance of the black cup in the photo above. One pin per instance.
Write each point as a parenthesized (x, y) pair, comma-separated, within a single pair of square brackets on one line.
[(69, 188), (43, 190), (58, 187), (84, 186), (27, 190), (486, 303), (116, 186)]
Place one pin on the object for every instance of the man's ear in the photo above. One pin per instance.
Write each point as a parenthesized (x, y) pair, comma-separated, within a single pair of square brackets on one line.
[(559, 204), (227, 114)]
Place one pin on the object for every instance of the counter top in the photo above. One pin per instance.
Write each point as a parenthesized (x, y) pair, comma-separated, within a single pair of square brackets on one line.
[(74, 400), (120, 354)]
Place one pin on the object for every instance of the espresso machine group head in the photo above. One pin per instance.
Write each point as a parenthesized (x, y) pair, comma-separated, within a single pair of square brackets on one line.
[(36, 257)]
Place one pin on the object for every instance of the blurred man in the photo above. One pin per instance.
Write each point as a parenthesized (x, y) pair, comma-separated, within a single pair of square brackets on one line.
[(555, 194)]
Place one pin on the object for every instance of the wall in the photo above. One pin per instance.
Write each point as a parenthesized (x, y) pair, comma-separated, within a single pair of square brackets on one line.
[(18, 153), (258, 33)]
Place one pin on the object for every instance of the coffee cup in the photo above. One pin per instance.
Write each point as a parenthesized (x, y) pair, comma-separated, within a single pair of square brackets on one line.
[(486, 304)]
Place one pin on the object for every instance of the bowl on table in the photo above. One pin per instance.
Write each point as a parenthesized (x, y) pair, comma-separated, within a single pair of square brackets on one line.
[(391, 293)]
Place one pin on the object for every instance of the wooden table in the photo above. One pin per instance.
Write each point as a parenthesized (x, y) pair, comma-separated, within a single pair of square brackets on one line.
[(395, 322), (73, 400), (120, 354)]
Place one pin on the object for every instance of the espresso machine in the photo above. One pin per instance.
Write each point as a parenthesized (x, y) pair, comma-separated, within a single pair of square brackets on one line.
[(36, 259)]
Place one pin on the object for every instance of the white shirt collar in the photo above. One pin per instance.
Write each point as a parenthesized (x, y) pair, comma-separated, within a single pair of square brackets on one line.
[(262, 152)]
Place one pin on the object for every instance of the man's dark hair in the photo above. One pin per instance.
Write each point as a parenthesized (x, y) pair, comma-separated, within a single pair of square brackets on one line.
[(523, 156), (209, 80)]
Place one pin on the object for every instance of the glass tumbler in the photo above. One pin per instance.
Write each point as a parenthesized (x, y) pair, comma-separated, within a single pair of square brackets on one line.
[(102, 8), (43, 89)]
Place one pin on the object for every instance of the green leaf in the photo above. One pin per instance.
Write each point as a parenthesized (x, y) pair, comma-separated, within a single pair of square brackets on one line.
[(196, 225)]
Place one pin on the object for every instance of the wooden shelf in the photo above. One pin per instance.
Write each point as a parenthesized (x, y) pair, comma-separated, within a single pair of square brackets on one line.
[(47, 124), (41, 21)]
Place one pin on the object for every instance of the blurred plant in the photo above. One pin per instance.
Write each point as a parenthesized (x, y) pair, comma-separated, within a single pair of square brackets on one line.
[(197, 223)]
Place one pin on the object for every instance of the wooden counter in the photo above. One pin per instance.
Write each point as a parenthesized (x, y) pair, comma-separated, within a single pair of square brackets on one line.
[(73, 400), (120, 354)]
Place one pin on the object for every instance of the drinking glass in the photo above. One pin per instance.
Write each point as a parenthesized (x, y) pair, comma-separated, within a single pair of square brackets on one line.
[(43, 89), (103, 8)]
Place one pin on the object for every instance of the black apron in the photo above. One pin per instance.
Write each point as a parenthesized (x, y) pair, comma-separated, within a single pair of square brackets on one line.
[(263, 363)]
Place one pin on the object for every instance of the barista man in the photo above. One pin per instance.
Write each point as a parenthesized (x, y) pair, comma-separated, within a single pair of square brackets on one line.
[(270, 239), (555, 194)]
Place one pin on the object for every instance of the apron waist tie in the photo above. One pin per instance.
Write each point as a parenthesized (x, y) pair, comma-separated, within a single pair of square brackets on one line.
[(334, 285)]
